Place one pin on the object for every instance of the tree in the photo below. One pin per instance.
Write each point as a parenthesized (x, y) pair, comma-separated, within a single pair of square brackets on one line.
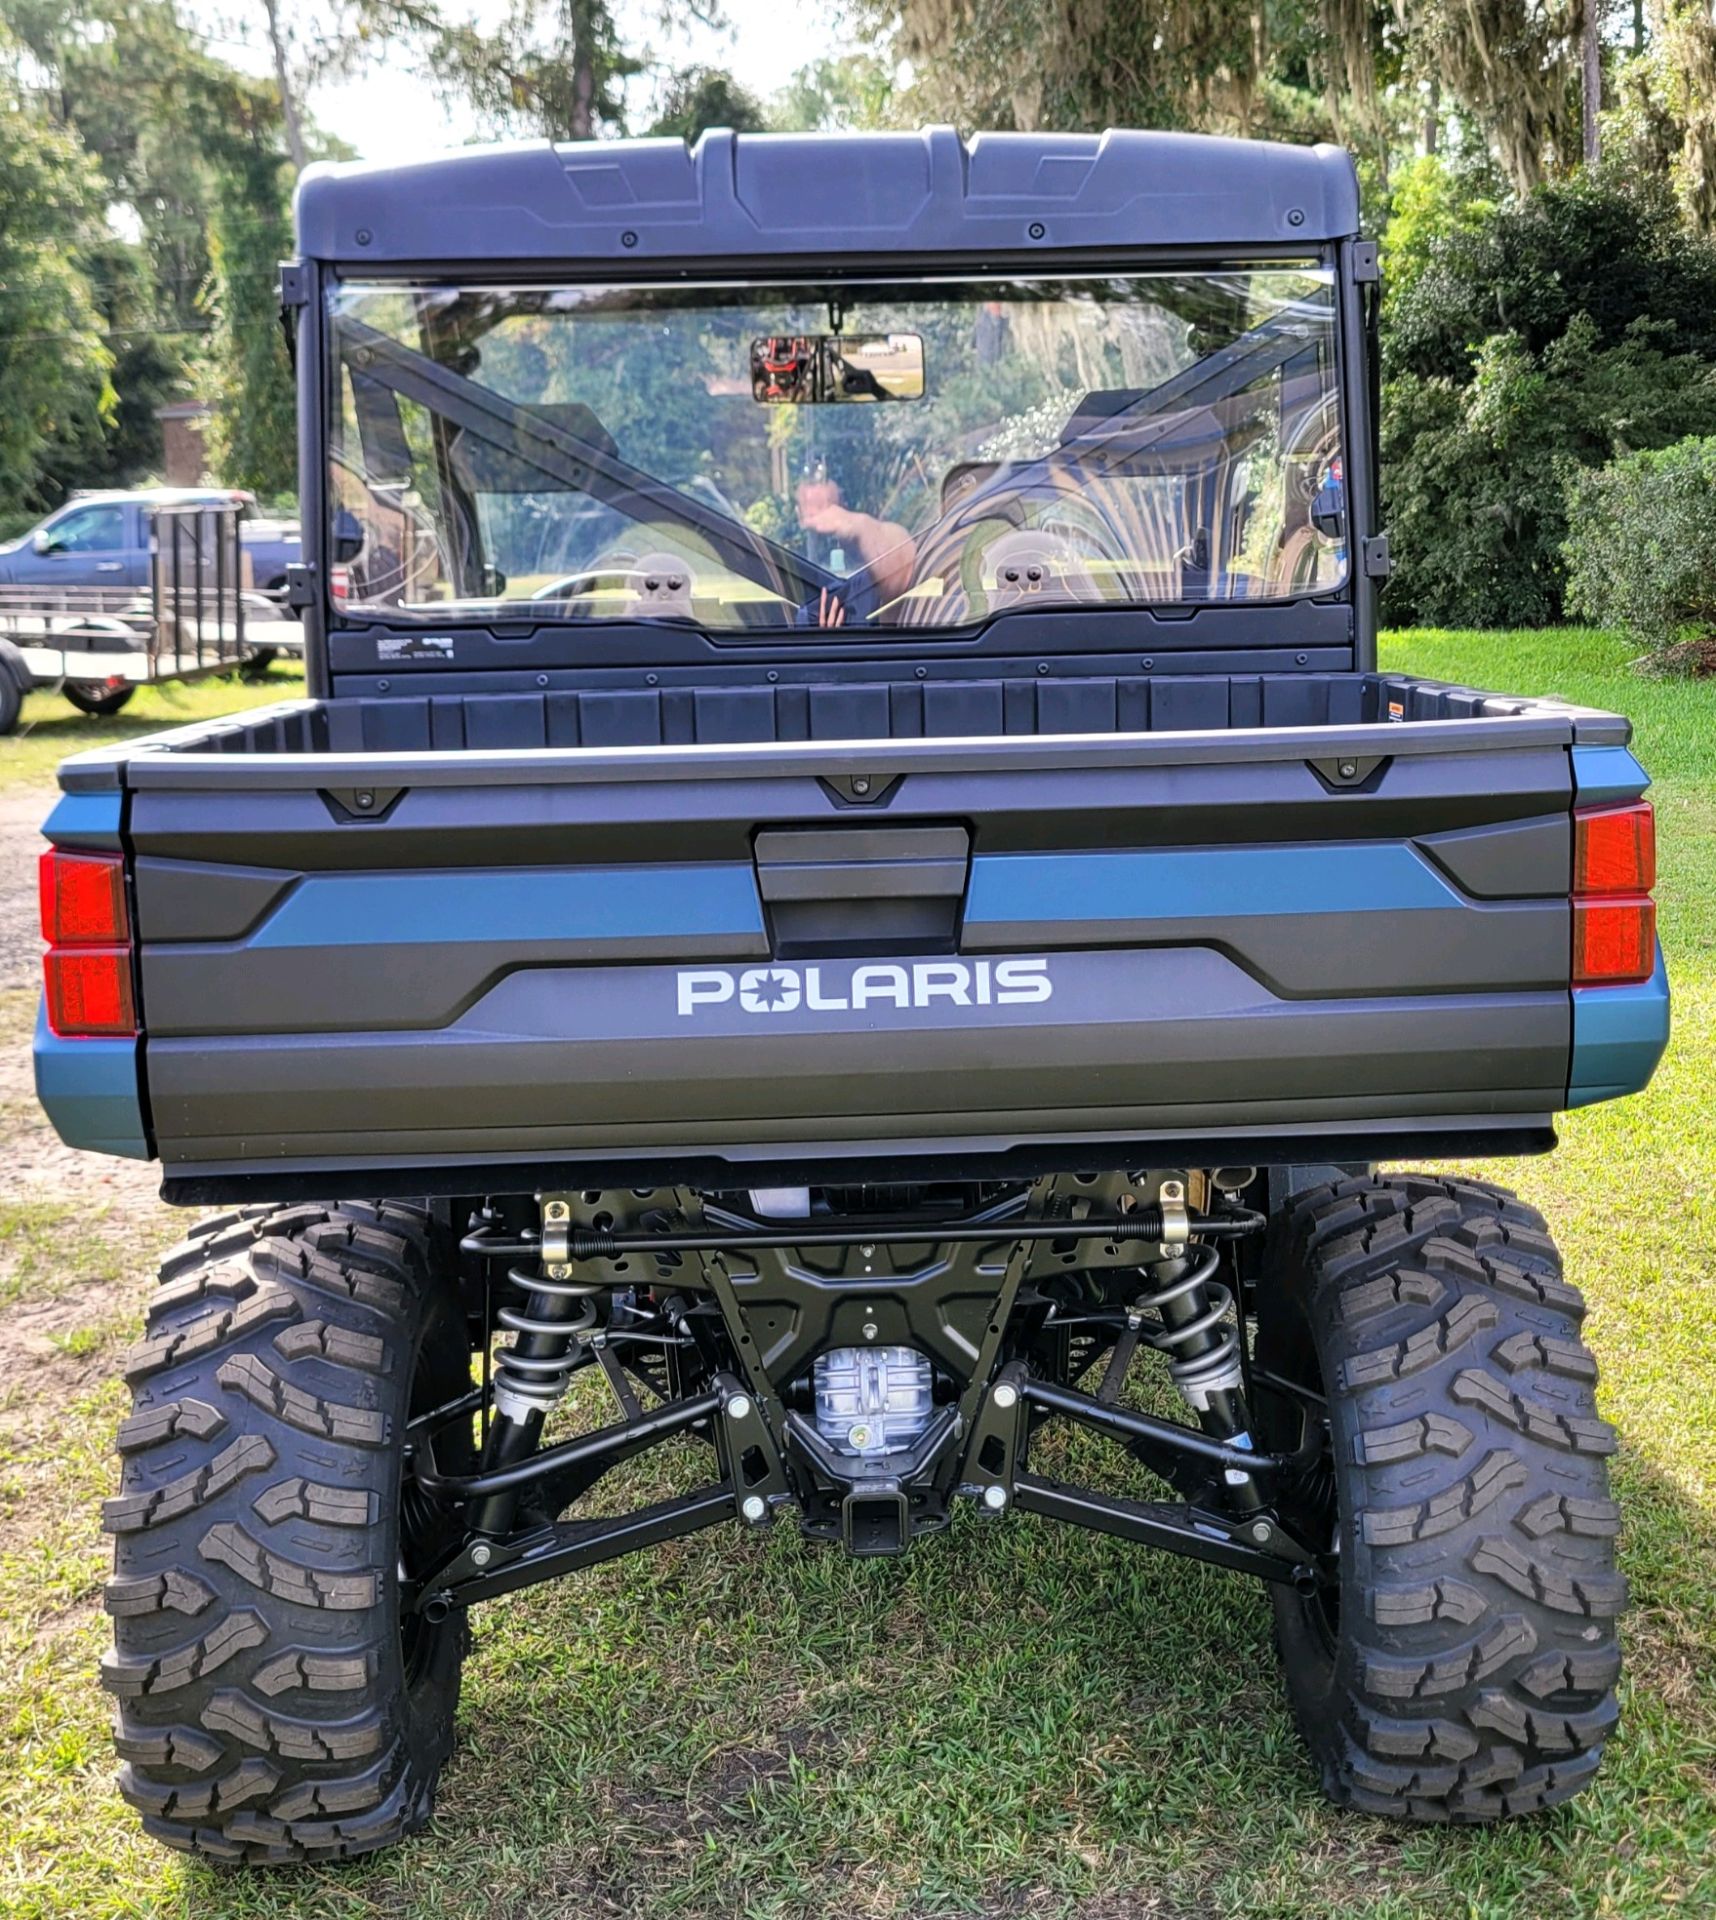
[(147, 370), (1591, 82), (54, 366), (1682, 77), (1475, 477), (1525, 341), (243, 370), (698, 98), (1081, 63), (279, 46), (552, 67), (846, 90), (1356, 70), (1596, 243), (199, 155)]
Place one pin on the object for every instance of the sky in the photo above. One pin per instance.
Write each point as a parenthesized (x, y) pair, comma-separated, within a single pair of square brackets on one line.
[(389, 114)]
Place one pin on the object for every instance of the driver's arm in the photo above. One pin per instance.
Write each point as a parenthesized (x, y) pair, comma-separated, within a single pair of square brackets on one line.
[(889, 552)]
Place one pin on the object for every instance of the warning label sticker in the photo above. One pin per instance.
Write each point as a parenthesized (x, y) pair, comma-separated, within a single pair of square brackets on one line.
[(393, 647)]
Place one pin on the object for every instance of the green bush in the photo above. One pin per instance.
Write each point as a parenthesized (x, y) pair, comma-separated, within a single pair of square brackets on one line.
[(1641, 543), (1476, 475), (1524, 340), (1465, 264)]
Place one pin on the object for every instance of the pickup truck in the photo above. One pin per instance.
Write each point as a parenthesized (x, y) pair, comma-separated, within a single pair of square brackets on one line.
[(97, 554), (848, 892)]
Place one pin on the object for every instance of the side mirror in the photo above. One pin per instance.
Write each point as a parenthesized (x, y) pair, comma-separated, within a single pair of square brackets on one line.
[(44, 542)]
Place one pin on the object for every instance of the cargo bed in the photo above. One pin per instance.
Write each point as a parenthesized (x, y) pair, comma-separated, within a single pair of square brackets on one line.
[(476, 931)]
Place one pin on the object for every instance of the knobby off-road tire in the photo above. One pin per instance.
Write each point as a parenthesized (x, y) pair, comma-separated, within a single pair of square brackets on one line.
[(1468, 1670), (269, 1708)]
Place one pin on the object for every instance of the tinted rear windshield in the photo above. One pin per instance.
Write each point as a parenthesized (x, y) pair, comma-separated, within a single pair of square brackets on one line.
[(837, 456)]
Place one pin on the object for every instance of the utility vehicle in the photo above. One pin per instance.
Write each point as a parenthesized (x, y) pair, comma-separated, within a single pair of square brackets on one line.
[(849, 885)]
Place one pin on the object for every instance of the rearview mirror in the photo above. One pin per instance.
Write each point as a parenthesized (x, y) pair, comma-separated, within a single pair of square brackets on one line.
[(811, 369)]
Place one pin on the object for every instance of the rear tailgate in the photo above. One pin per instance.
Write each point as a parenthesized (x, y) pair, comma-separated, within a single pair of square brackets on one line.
[(784, 954)]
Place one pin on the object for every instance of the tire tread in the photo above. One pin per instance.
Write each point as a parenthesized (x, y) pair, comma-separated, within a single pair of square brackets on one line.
[(262, 1706), (1473, 1673)]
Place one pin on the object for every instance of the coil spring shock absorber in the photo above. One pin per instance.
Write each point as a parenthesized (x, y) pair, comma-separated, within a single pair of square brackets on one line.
[(533, 1374), (1192, 1328), (1194, 1332)]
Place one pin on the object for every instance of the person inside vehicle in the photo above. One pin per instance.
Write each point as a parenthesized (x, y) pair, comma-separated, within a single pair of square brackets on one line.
[(887, 552)]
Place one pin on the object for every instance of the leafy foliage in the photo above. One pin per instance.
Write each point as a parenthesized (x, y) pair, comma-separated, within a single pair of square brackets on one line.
[(1641, 547), (698, 98), (1526, 341), (847, 90), (1599, 242), (1084, 63), (253, 436), (54, 366), (192, 151)]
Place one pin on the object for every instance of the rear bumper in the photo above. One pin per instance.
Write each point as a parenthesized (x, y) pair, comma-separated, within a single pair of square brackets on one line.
[(775, 1063)]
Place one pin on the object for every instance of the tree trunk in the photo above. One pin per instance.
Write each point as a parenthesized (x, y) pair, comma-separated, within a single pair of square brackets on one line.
[(1591, 47), (583, 38), (1433, 118), (283, 80)]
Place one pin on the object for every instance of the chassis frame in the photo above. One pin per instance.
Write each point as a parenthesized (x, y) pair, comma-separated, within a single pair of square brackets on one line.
[(754, 1300)]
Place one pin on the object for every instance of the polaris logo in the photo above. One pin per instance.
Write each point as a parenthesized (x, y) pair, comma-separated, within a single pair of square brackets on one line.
[(916, 983)]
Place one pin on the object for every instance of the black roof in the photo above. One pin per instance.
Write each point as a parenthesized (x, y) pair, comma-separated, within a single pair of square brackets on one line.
[(759, 196)]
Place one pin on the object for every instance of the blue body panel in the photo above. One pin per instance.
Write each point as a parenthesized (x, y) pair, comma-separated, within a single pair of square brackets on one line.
[(1604, 774), (1200, 882), (689, 903), (1619, 1035), (91, 1089), (88, 1089), (85, 820)]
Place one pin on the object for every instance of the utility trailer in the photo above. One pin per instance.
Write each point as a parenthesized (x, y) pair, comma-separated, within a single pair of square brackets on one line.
[(98, 643), (849, 875)]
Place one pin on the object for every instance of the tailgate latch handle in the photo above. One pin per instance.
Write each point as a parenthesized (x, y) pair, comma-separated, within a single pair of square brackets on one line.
[(863, 889)]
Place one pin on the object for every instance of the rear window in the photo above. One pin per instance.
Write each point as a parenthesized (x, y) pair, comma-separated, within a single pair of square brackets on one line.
[(851, 455)]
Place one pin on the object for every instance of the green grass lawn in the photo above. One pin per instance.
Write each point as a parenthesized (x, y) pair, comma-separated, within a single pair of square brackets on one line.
[(1012, 1720), (51, 727)]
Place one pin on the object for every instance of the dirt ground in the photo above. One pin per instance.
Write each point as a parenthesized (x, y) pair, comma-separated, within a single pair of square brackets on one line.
[(100, 1216)]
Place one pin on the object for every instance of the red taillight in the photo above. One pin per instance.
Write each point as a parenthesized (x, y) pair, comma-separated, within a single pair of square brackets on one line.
[(89, 991), (87, 968), (1614, 849), (1614, 918), (1614, 942), (83, 899), (341, 578)]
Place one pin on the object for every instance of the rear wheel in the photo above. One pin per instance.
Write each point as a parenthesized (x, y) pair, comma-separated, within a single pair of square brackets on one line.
[(1462, 1666), (274, 1702), (97, 698)]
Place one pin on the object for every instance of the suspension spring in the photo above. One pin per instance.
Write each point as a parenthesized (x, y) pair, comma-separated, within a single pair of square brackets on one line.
[(1192, 1328), (534, 1372)]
